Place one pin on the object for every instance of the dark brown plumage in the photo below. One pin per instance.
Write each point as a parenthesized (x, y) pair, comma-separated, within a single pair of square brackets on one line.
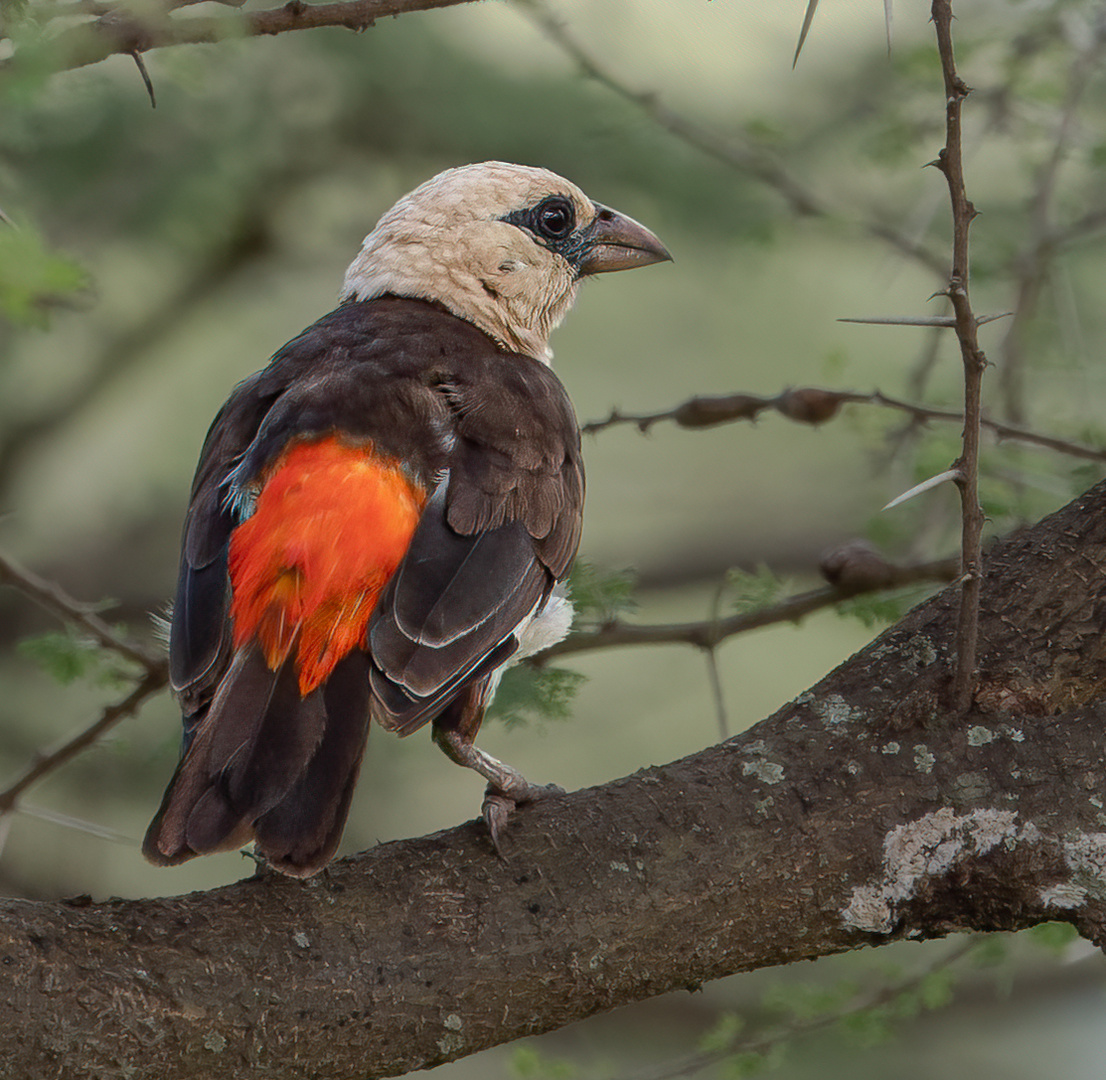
[(378, 518)]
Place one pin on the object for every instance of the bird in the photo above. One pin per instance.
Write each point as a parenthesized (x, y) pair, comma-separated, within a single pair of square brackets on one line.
[(384, 517)]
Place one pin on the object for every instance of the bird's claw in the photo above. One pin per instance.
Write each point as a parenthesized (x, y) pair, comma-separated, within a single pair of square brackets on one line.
[(498, 807)]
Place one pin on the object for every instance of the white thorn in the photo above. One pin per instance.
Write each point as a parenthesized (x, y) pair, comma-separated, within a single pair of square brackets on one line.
[(920, 320), (925, 485)]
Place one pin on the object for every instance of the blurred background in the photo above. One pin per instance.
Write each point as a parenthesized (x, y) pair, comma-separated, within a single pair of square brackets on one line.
[(204, 234)]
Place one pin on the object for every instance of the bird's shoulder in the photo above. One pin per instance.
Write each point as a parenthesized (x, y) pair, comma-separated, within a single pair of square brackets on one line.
[(406, 374)]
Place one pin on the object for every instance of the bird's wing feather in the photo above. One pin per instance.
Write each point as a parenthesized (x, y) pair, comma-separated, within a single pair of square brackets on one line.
[(499, 532), (438, 395)]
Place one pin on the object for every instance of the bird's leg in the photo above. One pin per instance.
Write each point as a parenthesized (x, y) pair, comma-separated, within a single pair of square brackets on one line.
[(507, 787)]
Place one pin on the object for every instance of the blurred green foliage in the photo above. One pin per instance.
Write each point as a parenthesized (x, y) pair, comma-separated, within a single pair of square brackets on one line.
[(265, 153), (66, 656), (749, 591), (32, 278), (535, 693)]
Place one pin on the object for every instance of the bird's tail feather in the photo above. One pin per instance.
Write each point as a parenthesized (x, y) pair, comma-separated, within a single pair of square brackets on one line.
[(268, 764)]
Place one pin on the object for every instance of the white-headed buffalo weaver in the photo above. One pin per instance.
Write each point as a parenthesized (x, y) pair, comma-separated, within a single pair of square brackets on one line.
[(381, 517)]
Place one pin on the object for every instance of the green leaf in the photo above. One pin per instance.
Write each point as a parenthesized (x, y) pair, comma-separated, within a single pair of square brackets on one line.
[(62, 655), (535, 693), (880, 609), (1053, 936), (990, 951), (600, 595), (750, 1063), (33, 278), (66, 656), (867, 1027), (935, 991), (807, 1001), (754, 590), (528, 1064), (721, 1036)]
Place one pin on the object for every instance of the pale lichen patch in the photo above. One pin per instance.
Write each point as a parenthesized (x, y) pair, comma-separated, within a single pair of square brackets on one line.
[(920, 650), (1063, 895), (890, 748), (767, 772), (833, 709), (980, 735), (925, 848), (923, 759), (1085, 855), (452, 1042)]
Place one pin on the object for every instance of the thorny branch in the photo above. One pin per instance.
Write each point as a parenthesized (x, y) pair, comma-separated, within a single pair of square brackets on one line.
[(154, 678), (153, 682), (1031, 266), (117, 31), (54, 599), (852, 572), (754, 161), (816, 405), (950, 162)]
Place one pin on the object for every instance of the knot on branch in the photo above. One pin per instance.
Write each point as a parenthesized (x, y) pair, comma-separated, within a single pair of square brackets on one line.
[(809, 405), (707, 411), (857, 566)]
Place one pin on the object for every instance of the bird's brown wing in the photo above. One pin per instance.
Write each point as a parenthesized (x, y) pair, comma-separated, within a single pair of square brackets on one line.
[(501, 529), (494, 437)]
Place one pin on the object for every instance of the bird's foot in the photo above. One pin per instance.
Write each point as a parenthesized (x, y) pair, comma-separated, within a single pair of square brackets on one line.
[(499, 805)]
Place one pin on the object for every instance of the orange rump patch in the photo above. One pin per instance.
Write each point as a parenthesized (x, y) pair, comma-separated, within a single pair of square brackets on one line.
[(330, 527)]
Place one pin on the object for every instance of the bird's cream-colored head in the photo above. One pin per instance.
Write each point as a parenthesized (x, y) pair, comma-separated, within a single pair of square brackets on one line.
[(502, 246)]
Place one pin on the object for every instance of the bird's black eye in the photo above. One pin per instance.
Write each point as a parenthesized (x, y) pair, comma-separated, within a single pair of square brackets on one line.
[(554, 218)]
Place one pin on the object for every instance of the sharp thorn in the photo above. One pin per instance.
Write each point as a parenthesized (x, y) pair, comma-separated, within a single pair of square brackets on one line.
[(925, 485)]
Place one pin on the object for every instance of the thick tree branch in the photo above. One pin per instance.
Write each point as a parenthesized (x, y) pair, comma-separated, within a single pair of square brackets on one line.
[(863, 812)]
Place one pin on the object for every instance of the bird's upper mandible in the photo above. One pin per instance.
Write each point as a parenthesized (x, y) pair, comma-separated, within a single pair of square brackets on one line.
[(502, 246)]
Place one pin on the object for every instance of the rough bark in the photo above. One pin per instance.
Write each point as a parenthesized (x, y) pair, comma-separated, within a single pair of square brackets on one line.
[(860, 813)]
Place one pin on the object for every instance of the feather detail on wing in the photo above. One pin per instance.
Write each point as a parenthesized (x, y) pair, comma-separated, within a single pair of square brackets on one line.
[(448, 616)]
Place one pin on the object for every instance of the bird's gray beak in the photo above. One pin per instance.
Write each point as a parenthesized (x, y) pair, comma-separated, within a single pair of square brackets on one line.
[(615, 242)]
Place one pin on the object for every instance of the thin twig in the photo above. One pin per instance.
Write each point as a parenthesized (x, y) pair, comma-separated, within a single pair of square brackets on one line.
[(709, 411), (714, 676), (116, 33), (708, 633), (951, 164), (153, 682), (146, 80), (752, 160), (54, 599), (1031, 266)]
